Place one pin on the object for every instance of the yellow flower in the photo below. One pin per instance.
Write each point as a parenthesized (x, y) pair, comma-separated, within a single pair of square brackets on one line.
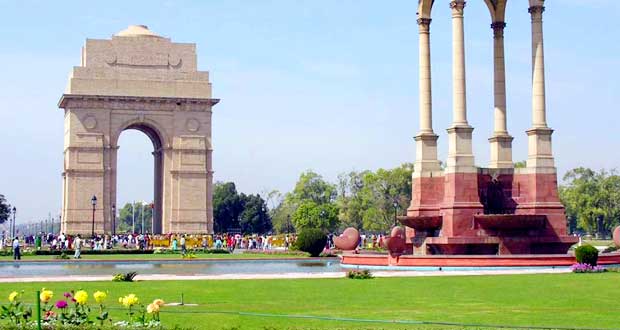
[(100, 296), (13, 296), (152, 308), (81, 297), (129, 300), (46, 295), (158, 302)]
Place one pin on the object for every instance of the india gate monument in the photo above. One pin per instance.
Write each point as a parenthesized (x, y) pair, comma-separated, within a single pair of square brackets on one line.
[(142, 81)]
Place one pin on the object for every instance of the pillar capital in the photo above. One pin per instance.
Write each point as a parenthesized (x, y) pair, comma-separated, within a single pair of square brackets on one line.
[(498, 29), (539, 9), (424, 25), (457, 7)]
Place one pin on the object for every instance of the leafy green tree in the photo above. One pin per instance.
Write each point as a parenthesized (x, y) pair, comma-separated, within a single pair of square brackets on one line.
[(281, 217), (313, 187), (520, 164), (592, 198), (227, 206), (312, 203), (255, 217), (5, 209), (350, 200), (366, 199), (319, 216), (132, 218)]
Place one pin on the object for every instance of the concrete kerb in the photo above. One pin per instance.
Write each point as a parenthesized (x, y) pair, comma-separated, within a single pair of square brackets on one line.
[(382, 274)]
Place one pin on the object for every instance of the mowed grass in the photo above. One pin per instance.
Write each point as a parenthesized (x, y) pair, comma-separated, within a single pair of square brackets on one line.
[(201, 256), (549, 300)]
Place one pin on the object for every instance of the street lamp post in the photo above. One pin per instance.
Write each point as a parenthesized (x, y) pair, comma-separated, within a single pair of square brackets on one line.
[(14, 212), (93, 201), (395, 212), (133, 217), (113, 219), (152, 217), (142, 211)]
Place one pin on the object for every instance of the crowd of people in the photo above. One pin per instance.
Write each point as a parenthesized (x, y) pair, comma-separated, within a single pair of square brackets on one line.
[(175, 242)]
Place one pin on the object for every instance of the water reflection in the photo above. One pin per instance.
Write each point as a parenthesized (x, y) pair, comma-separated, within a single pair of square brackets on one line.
[(198, 267)]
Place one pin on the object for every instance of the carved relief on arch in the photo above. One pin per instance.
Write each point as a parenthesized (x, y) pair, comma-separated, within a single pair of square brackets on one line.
[(114, 58)]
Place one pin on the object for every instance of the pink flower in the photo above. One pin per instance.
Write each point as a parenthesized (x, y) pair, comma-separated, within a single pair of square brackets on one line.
[(61, 304), (67, 294)]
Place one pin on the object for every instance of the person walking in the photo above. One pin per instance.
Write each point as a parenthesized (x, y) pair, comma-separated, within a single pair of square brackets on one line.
[(16, 253), (183, 246), (77, 245)]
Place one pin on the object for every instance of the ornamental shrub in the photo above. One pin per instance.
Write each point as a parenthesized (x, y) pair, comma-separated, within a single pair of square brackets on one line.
[(311, 240), (586, 254), (359, 274), (128, 277)]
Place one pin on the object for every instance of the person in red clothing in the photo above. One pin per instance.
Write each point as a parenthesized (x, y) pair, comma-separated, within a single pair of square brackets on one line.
[(230, 242)]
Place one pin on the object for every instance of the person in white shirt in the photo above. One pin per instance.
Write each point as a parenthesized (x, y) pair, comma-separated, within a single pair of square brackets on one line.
[(77, 245), (16, 253)]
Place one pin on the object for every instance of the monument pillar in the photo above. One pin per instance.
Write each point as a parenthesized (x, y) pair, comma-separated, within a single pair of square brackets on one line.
[(461, 199), (460, 155), (540, 156), (501, 141), (426, 140), (427, 181)]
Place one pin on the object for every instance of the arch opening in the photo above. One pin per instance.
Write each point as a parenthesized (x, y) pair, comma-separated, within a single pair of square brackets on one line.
[(153, 225)]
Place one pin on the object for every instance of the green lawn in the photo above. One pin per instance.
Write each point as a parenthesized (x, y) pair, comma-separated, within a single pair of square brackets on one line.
[(561, 300), (599, 242), (161, 256)]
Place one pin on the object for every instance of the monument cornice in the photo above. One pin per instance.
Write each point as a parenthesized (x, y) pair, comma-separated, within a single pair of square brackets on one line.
[(115, 102)]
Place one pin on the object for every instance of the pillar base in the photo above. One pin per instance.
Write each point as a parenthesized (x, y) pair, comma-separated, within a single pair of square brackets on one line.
[(501, 151), (460, 154), (426, 163), (540, 155)]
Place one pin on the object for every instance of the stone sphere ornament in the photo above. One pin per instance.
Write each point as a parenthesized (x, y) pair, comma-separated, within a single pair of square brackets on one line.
[(396, 244), (348, 240), (616, 236)]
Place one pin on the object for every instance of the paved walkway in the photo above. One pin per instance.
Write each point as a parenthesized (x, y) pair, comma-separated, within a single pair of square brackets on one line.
[(92, 278)]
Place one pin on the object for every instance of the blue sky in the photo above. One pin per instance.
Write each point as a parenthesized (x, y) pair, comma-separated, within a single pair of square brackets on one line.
[(322, 84)]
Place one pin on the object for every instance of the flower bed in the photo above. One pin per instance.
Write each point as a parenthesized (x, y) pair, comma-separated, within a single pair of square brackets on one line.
[(587, 268), (73, 311)]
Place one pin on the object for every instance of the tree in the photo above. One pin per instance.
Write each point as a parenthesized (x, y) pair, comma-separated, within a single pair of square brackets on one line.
[(350, 201), (129, 221), (255, 217), (281, 217), (366, 199), (520, 164), (313, 187), (5, 209), (592, 198), (318, 216), (312, 203), (227, 206)]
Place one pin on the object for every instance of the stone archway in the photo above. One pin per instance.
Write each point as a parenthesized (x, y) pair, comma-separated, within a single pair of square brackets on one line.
[(158, 174), (138, 80)]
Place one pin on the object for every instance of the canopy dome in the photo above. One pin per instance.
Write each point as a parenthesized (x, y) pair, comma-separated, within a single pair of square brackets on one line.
[(137, 31)]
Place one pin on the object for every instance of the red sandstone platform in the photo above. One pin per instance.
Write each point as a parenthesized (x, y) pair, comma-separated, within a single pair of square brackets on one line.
[(531, 260)]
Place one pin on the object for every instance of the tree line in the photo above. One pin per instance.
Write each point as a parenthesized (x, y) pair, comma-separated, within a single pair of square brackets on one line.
[(367, 200), (592, 200), (370, 200)]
